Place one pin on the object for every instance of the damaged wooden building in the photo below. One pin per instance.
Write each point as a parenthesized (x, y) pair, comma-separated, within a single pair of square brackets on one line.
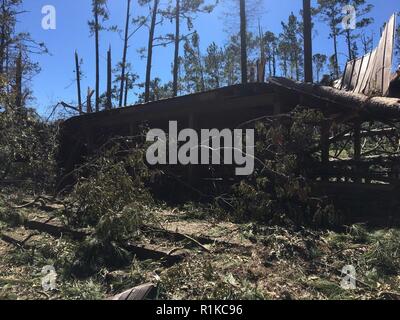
[(364, 181)]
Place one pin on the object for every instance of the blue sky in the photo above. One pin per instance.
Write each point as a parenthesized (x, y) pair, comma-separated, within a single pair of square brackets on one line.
[(56, 80)]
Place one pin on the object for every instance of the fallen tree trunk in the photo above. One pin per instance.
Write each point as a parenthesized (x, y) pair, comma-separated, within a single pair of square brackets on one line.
[(387, 107)]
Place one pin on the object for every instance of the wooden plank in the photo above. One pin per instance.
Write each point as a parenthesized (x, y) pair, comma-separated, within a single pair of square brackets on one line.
[(356, 73), (379, 78), (348, 75), (368, 72), (388, 57), (143, 292)]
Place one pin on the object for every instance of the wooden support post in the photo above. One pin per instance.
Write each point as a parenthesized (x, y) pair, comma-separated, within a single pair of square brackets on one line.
[(325, 131), (357, 146), (277, 103), (357, 140), (190, 171)]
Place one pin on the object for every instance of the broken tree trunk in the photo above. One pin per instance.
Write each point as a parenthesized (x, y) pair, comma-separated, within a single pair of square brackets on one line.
[(78, 82), (349, 100), (89, 100)]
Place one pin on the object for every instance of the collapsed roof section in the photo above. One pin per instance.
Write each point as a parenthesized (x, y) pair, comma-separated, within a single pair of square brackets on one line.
[(371, 74)]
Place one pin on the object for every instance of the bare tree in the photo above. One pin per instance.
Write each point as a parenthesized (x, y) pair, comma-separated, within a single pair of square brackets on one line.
[(183, 10), (243, 40), (307, 31), (319, 63), (330, 12), (123, 67), (109, 81), (99, 11), (150, 46)]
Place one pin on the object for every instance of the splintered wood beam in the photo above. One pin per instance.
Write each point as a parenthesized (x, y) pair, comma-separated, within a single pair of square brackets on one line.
[(376, 132), (90, 93)]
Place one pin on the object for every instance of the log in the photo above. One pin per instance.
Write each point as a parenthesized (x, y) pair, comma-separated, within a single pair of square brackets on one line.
[(15, 242), (385, 106), (143, 253), (54, 230)]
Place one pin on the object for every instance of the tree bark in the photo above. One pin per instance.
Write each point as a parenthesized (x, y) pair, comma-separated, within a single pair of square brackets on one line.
[(78, 82), (274, 61), (308, 67), (348, 42), (121, 91), (150, 51), (336, 62), (176, 55), (243, 40), (126, 90)]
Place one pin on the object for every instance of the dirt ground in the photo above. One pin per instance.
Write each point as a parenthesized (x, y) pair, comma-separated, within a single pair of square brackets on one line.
[(214, 260)]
